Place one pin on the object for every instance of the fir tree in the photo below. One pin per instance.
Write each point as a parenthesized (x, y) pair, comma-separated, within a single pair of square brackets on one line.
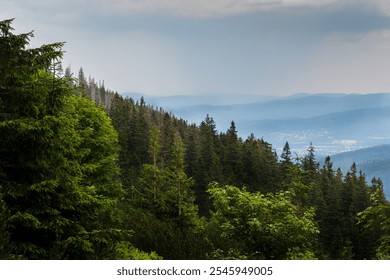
[(58, 151)]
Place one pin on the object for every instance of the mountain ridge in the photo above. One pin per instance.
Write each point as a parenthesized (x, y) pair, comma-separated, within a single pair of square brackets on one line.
[(333, 122), (373, 161)]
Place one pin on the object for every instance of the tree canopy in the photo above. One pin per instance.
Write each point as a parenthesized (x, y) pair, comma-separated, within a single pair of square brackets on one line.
[(59, 177), (86, 173)]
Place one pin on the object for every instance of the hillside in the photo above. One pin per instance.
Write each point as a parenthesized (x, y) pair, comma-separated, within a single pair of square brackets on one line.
[(333, 122), (373, 161), (129, 181), (330, 133)]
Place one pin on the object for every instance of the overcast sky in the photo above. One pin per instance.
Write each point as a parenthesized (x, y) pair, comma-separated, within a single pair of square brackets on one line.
[(264, 47)]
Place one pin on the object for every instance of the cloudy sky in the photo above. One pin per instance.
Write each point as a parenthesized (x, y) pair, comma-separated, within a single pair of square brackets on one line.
[(264, 47)]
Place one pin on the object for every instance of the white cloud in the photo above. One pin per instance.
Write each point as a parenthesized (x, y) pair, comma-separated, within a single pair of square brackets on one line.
[(204, 8), (188, 8), (309, 2), (383, 6), (346, 142)]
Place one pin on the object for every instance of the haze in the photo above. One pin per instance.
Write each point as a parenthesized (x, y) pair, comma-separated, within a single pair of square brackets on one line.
[(261, 47)]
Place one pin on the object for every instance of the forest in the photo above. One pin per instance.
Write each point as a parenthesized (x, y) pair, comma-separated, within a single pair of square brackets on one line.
[(88, 174)]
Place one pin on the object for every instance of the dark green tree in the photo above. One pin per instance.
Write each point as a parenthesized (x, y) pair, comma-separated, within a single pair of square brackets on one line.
[(58, 175), (310, 165), (208, 167), (375, 220), (261, 171), (286, 161), (179, 184), (231, 156), (122, 120), (4, 234), (329, 211)]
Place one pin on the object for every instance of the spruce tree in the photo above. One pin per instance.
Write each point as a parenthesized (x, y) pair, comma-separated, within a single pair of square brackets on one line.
[(232, 158), (375, 222), (58, 171), (179, 184), (286, 161), (4, 234)]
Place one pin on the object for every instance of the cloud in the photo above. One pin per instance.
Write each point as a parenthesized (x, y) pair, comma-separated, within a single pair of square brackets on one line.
[(310, 45), (223, 8), (378, 6), (383, 6), (346, 142), (188, 8), (204, 8), (345, 62)]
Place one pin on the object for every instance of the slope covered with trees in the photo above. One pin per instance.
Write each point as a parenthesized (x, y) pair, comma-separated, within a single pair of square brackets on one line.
[(59, 177), (88, 174)]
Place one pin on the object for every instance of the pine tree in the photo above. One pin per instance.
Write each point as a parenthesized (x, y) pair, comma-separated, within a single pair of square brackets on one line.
[(232, 156), (82, 82), (151, 191), (375, 223), (309, 162), (286, 161), (328, 211), (179, 184), (209, 166), (260, 166), (54, 145), (4, 234)]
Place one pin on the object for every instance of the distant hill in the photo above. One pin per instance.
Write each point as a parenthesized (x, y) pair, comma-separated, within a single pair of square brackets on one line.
[(330, 133), (373, 161), (349, 127), (332, 122), (215, 99), (294, 106)]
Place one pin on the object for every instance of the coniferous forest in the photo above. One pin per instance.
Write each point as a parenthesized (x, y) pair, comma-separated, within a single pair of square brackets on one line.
[(88, 174)]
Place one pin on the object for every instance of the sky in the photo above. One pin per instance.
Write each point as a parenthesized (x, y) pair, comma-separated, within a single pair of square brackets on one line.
[(177, 47)]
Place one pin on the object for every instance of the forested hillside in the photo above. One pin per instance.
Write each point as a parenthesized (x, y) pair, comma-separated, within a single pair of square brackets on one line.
[(88, 174), (334, 122), (374, 161)]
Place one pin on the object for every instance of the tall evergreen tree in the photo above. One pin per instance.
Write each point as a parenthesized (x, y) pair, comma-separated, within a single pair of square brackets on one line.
[(179, 184), (309, 162), (55, 209), (328, 211), (151, 191), (4, 234), (260, 166), (286, 161), (231, 156), (209, 166), (375, 221)]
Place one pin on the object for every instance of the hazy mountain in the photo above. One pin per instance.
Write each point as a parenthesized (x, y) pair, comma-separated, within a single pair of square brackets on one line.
[(330, 133), (373, 161), (174, 102), (295, 106), (333, 122)]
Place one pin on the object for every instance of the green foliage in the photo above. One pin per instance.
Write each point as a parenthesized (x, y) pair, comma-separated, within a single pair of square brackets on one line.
[(286, 161), (126, 251), (260, 226), (375, 220), (4, 234), (260, 166), (209, 156), (59, 177), (77, 184), (165, 236)]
